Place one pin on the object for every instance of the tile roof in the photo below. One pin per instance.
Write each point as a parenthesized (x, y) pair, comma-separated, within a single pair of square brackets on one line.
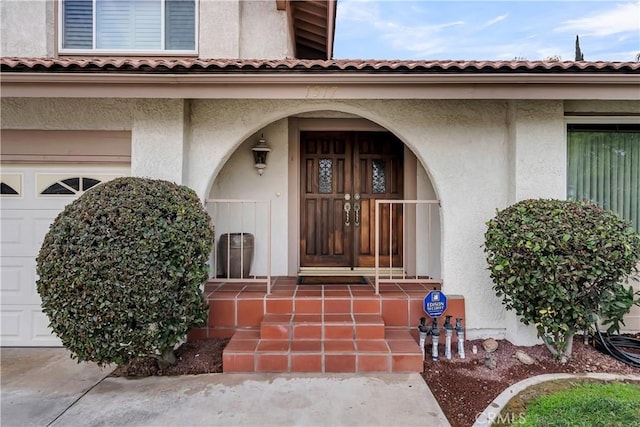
[(166, 65)]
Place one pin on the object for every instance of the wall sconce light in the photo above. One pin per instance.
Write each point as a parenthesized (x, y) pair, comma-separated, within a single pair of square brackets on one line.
[(260, 152)]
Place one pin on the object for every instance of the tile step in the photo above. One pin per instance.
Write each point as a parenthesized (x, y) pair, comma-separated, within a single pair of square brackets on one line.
[(397, 352), (327, 326)]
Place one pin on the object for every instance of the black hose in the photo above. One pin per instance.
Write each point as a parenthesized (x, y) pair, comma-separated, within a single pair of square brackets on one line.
[(609, 344)]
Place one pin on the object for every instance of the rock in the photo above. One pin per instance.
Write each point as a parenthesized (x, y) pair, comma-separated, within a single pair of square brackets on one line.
[(490, 362), (490, 345), (524, 358)]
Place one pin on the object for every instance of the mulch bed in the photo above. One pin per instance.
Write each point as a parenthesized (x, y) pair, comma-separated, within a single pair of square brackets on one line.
[(198, 357)]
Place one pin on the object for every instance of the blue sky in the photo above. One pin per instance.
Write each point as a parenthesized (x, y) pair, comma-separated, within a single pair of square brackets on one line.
[(487, 30)]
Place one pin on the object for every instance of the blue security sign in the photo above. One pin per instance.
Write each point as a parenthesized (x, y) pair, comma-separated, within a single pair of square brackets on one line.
[(435, 303)]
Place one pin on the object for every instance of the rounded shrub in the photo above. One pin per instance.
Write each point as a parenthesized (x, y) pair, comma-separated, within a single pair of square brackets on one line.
[(121, 269), (552, 261)]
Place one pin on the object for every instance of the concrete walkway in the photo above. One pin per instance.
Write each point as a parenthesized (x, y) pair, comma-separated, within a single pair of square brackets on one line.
[(42, 387)]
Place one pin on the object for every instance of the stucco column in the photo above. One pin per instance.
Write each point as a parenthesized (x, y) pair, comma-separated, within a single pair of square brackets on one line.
[(537, 169), (158, 139), (537, 150)]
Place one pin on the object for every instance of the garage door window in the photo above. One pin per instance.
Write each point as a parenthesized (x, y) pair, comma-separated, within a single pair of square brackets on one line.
[(8, 190), (70, 186), (11, 185)]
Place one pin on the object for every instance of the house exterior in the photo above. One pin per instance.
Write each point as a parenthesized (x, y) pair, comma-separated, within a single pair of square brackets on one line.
[(462, 138)]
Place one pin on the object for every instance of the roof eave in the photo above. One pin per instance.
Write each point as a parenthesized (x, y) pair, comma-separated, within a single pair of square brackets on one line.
[(323, 86)]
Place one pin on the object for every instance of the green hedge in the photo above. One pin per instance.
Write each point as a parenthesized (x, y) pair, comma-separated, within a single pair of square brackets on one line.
[(553, 260), (121, 269)]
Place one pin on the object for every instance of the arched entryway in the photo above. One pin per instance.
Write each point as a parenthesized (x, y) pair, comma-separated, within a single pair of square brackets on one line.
[(323, 183), (308, 228)]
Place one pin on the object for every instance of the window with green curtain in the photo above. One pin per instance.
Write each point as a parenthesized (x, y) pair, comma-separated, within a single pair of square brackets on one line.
[(604, 167)]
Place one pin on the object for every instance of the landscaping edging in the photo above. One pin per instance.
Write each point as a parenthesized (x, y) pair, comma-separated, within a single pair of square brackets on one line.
[(489, 415)]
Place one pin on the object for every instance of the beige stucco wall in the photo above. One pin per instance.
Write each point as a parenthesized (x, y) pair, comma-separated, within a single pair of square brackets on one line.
[(70, 114), (21, 27), (219, 29), (227, 29), (479, 156), (248, 29), (157, 126), (264, 31), (238, 179)]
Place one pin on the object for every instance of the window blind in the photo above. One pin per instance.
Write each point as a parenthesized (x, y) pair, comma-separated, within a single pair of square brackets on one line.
[(180, 24), (604, 167), (128, 24), (77, 31)]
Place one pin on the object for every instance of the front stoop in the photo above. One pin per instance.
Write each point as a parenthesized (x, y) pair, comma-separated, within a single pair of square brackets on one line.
[(318, 328)]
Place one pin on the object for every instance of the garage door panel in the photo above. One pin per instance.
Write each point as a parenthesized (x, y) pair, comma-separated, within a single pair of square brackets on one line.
[(12, 319), (23, 231), (41, 333), (26, 325), (19, 281), (12, 231), (41, 224)]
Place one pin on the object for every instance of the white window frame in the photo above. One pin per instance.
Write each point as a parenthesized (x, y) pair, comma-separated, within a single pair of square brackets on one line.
[(157, 52)]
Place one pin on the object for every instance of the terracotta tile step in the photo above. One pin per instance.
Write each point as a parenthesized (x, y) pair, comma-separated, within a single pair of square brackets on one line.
[(317, 326), (309, 302), (398, 352)]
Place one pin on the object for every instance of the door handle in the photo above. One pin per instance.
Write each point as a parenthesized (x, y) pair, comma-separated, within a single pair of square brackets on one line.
[(356, 209), (356, 213), (347, 210)]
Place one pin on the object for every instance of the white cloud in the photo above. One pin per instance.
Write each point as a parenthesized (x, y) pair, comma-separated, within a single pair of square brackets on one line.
[(418, 39), (495, 20), (623, 18), (358, 11)]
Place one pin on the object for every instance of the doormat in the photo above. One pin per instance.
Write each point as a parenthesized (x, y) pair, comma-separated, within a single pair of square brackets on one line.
[(332, 280)]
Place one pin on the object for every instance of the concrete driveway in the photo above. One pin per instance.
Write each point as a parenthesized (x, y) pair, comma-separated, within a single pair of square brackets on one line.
[(39, 384), (44, 387)]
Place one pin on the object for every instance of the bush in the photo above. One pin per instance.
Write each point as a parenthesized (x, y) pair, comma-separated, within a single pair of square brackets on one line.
[(553, 260), (614, 305), (121, 268)]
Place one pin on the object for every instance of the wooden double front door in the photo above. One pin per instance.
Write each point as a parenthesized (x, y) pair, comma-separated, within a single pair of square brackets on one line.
[(342, 175)]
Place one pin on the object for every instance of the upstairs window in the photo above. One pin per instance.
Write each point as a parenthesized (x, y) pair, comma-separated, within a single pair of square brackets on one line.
[(144, 26)]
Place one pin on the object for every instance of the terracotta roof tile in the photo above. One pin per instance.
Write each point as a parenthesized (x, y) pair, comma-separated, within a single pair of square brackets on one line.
[(196, 65)]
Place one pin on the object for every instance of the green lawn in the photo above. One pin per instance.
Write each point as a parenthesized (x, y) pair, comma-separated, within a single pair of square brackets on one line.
[(588, 404)]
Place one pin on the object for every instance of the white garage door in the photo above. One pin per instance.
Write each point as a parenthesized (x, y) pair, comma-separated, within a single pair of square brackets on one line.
[(32, 196)]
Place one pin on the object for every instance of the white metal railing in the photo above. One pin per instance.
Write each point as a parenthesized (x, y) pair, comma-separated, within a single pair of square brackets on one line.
[(232, 217), (430, 249)]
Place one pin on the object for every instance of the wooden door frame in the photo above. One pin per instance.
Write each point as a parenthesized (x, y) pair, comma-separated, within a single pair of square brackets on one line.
[(296, 125)]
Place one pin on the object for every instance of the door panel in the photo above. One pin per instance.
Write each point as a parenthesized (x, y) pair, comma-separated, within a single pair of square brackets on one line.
[(344, 173), (326, 169), (378, 166)]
